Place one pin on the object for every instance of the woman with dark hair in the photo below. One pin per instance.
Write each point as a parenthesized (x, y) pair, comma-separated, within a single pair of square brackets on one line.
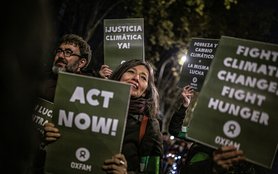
[(142, 144)]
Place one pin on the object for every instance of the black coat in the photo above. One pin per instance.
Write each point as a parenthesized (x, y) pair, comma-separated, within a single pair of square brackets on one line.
[(151, 144)]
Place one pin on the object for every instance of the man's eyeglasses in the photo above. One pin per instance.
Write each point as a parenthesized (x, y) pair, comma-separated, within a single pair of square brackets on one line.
[(66, 52)]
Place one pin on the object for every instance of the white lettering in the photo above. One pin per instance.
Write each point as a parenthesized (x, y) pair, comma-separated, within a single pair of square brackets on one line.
[(243, 112), (242, 95), (81, 166), (262, 84), (226, 142), (92, 96), (257, 53), (83, 121)]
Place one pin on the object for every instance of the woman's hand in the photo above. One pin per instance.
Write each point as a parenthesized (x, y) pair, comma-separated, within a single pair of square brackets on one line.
[(51, 133), (105, 72), (116, 165), (227, 157), (187, 94)]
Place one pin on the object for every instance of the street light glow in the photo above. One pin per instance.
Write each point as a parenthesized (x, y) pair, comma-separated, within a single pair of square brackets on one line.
[(183, 59)]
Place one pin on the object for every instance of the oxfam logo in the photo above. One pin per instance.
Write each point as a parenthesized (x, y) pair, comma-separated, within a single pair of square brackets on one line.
[(231, 129), (82, 154)]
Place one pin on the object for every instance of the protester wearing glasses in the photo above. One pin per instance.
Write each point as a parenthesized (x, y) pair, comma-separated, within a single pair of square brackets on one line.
[(73, 55)]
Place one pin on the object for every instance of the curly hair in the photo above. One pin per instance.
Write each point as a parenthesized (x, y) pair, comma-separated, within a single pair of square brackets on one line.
[(84, 47)]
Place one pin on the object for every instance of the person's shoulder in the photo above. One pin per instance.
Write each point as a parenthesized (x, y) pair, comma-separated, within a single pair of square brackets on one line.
[(154, 125), (47, 87), (154, 120)]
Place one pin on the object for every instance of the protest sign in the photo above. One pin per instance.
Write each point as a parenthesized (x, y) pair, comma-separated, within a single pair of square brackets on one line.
[(42, 114), (237, 103), (91, 115), (123, 40), (200, 54)]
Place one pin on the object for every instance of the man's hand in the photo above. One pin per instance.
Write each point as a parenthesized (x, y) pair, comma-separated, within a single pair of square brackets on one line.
[(105, 72), (52, 133), (116, 165), (226, 157)]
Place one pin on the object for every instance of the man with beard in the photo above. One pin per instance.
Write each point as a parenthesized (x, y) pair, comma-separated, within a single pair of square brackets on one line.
[(72, 54)]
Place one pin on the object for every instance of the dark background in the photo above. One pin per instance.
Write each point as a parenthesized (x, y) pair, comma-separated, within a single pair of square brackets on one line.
[(31, 28), (169, 26)]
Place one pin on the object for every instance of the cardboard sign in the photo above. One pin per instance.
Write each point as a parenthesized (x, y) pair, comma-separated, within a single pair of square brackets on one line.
[(200, 54), (43, 113), (238, 102), (123, 40), (91, 116)]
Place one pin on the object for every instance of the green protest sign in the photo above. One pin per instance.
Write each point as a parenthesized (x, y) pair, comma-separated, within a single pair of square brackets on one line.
[(237, 104), (91, 115), (42, 114), (200, 54), (123, 40)]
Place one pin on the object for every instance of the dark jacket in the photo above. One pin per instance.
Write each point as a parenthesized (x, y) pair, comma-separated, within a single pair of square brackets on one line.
[(48, 87), (204, 165), (47, 90), (151, 144)]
